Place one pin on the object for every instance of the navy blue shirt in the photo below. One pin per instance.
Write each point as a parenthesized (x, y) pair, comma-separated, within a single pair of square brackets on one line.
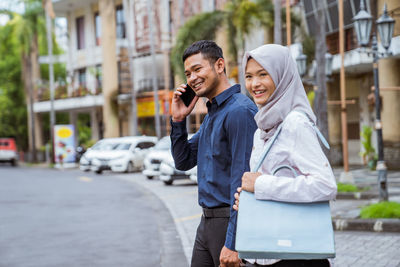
[(221, 150)]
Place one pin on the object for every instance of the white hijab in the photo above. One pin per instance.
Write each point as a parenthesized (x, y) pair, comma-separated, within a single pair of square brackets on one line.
[(289, 93)]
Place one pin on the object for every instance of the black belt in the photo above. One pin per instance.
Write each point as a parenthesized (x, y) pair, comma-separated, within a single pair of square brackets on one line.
[(224, 212)]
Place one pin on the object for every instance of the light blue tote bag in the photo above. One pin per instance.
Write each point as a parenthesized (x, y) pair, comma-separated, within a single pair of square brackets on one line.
[(281, 230)]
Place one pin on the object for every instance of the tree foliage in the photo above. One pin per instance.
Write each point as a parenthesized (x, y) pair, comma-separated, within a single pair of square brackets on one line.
[(238, 18), (21, 37), (201, 27), (13, 116)]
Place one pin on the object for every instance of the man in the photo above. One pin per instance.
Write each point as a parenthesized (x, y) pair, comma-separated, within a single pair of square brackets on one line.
[(221, 150)]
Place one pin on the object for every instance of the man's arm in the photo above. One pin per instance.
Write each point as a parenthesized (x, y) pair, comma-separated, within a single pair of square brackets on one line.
[(183, 151), (240, 130)]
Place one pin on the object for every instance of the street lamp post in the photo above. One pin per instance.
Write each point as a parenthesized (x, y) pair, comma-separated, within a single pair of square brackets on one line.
[(301, 62), (385, 25)]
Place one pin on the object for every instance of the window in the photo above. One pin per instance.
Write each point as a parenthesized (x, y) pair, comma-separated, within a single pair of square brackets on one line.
[(82, 77), (144, 145), (119, 15), (99, 77), (97, 26), (350, 9), (80, 33)]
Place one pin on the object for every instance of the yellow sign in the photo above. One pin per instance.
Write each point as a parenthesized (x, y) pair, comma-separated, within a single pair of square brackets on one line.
[(147, 109), (64, 132)]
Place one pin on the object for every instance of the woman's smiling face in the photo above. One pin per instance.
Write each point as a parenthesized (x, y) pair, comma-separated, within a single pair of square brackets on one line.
[(258, 82)]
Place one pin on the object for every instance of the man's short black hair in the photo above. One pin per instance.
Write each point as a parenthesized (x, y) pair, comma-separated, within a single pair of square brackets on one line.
[(209, 50)]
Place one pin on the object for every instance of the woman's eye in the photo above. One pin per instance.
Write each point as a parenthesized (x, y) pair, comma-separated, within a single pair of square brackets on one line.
[(247, 77), (263, 74)]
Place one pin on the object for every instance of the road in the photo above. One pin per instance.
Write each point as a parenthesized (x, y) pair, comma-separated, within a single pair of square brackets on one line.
[(103, 202), (72, 218)]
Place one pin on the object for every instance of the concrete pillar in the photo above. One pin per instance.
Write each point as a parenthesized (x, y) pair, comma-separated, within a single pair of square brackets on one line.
[(389, 70), (110, 68), (38, 130), (334, 122), (73, 118), (94, 124)]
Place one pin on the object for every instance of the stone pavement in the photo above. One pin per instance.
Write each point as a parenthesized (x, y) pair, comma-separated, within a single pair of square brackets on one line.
[(353, 248)]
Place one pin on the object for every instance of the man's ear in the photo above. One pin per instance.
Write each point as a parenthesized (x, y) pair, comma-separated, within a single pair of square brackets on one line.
[(220, 65)]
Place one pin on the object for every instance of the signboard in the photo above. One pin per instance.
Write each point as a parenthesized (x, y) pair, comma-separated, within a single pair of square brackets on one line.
[(147, 108), (64, 143)]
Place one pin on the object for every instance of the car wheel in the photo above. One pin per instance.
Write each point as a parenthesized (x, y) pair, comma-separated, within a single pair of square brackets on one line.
[(130, 167), (169, 182), (98, 171), (150, 177), (13, 162)]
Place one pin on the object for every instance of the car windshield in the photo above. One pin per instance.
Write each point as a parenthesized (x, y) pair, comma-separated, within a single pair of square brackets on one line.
[(163, 144), (123, 146), (104, 146)]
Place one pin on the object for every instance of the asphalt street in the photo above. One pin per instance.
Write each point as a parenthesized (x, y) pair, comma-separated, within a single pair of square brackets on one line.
[(71, 218)]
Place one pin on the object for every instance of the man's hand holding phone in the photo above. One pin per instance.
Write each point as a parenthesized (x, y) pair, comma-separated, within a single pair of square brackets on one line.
[(179, 109)]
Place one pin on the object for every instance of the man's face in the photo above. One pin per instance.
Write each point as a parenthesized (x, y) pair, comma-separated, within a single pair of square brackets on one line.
[(201, 75)]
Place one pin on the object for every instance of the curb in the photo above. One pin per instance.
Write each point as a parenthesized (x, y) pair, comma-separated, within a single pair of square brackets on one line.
[(361, 195), (371, 225)]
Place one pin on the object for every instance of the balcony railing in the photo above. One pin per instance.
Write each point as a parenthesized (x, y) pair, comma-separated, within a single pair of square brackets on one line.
[(61, 92)]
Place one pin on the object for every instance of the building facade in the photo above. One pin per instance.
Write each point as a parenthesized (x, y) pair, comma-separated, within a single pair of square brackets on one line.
[(359, 79), (99, 77)]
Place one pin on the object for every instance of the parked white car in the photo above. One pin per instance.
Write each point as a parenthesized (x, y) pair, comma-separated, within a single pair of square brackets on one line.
[(126, 156), (159, 162), (153, 159), (168, 172), (102, 145)]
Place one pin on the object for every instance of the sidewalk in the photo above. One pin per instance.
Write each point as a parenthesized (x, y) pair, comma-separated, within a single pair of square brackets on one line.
[(353, 248), (346, 209)]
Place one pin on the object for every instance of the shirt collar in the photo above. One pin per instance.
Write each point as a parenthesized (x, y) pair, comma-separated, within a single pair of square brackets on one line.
[(226, 94)]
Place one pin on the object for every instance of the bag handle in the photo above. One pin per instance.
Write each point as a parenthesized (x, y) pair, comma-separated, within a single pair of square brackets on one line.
[(285, 167)]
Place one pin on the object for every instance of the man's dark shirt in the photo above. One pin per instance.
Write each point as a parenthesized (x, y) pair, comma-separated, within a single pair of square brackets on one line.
[(221, 150)]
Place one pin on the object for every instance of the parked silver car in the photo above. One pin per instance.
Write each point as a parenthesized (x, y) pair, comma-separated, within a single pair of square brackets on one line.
[(86, 159), (168, 172), (159, 162), (126, 155), (154, 158)]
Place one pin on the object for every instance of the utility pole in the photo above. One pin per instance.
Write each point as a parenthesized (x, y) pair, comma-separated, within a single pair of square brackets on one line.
[(128, 15), (277, 22), (320, 100), (49, 16), (288, 24), (153, 59), (346, 175)]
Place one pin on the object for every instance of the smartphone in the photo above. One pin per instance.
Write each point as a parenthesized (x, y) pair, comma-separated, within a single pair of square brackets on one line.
[(188, 95)]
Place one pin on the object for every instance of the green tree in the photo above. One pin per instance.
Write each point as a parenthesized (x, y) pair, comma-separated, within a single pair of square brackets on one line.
[(13, 116), (238, 18), (23, 39), (26, 28)]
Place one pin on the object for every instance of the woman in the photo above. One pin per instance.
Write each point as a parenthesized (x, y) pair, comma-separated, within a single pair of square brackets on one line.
[(273, 81)]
